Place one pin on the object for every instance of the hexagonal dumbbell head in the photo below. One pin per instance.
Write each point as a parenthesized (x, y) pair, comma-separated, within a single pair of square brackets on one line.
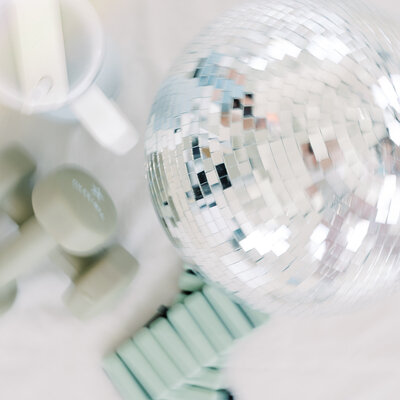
[(16, 170), (100, 285), (72, 211)]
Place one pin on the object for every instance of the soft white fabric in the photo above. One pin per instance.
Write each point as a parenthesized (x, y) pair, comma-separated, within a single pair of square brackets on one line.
[(46, 354)]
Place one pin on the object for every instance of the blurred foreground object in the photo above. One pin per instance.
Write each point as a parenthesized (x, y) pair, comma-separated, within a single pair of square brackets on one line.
[(51, 53), (273, 154), (97, 287), (16, 171), (70, 216)]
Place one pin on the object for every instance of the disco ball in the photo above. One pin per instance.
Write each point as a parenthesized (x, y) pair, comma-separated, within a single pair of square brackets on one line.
[(273, 153)]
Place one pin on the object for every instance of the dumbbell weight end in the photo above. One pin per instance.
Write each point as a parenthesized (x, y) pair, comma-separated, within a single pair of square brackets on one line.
[(8, 294), (25, 251), (18, 204)]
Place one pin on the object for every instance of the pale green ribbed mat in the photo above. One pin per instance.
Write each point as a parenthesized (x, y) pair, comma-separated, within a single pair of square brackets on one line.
[(179, 355)]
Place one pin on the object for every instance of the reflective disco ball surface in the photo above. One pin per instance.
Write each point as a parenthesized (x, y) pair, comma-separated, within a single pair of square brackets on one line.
[(273, 153)]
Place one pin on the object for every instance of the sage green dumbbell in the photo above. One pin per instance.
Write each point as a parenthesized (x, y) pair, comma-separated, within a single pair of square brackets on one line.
[(72, 212), (8, 294), (97, 285), (16, 171)]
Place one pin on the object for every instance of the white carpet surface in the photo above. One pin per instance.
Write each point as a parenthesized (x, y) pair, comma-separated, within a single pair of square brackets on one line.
[(46, 354)]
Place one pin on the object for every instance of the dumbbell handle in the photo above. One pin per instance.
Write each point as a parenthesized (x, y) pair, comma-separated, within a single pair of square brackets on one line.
[(24, 252)]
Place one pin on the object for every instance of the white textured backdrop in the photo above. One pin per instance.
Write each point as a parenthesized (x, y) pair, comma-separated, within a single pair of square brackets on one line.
[(46, 354)]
